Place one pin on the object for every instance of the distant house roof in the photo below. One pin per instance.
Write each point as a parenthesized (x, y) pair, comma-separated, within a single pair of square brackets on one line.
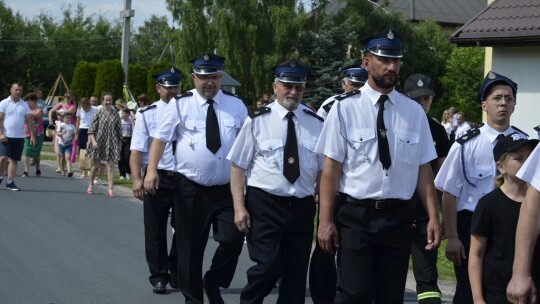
[(228, 81), (449, 12), (502, 23)]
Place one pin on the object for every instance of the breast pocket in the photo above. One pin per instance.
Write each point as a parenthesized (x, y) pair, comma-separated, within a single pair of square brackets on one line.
[(361, 144), (482, 177), (407, 146), (232, 127), (309, 158), (196, 130), (272, 152)]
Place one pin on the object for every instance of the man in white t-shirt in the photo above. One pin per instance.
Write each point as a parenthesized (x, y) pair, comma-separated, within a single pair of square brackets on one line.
[(14, 112)]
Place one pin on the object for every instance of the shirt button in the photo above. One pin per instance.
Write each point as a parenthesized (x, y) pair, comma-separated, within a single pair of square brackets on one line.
[(361, 139), (480, 175)]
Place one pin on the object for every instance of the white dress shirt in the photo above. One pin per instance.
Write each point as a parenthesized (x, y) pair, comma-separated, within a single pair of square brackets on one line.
[(185, 121), (530, 171), (349, 137), (260, 146)]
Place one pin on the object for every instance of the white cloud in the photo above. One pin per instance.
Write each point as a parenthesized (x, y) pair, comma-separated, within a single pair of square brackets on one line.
[(110, 9)]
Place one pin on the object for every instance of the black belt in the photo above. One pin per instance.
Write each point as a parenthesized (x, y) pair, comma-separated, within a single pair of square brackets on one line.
[(375, 204), (162, 172)]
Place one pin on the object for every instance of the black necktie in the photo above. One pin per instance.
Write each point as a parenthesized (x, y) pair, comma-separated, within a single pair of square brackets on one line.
[(291, 165), (382, 140), (213, 140)]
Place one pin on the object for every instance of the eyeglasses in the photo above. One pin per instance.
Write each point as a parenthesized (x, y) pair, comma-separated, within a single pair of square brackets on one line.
[(497, 99), (290, 87), (205, 79)]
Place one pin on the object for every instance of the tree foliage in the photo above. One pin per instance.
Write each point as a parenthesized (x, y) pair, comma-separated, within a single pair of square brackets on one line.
[(84, 78), (137, 75), (109, 78)]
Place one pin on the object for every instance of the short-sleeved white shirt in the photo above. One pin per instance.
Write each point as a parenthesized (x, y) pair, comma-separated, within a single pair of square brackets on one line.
[(530, 170), (184, 120), (147, 123), (85, 118), (14, 117), (349, 137), (479, 168), (260, 145)]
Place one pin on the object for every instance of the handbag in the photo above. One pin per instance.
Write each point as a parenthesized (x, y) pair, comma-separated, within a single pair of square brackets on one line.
[(84, 162)]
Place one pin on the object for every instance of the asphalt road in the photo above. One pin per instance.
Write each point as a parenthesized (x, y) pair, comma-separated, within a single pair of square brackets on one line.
[(59, 245)]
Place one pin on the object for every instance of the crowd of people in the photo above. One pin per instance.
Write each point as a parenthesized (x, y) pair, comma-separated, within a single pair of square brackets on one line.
[(371, 162)]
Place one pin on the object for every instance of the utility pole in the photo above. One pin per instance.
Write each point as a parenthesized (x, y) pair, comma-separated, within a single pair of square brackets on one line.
[(126, 14)]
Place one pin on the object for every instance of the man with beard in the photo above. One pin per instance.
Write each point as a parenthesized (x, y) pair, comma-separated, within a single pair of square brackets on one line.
[(378, 147), (469, 171), (274, 156), (204, 122)]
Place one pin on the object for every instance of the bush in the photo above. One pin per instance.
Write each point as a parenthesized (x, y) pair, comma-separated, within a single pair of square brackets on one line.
[(109, 78)]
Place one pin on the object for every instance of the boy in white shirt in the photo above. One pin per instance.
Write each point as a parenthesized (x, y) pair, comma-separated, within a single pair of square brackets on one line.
[(65, 132)]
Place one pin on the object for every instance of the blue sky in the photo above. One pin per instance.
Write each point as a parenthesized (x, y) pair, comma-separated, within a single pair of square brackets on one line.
[(109, 8)]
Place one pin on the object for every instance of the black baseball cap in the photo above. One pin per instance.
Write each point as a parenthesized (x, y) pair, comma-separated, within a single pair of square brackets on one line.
[(511, 143), (419, 85)]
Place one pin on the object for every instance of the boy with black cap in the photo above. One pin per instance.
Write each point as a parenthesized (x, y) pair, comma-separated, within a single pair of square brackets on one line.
[(493, 227), (468, 173), (377, 147), (162, 265), (420, 88), (204, 122), (273, 155), (354, 77)]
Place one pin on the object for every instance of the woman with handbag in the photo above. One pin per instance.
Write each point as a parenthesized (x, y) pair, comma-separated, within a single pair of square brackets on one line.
[(85, 113)]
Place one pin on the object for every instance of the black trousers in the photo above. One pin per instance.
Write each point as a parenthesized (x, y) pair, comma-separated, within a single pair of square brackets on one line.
[(424, 265), (463, 293), (162, 265), (197, 208), (374, 250), (279, 242), (125, 152)]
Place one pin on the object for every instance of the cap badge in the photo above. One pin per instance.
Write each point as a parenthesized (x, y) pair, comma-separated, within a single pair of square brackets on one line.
[(293, 64), (518, 136), (492, 75), (420, 83), (206, 57), (390, 35), (291, 160), (172, 70)]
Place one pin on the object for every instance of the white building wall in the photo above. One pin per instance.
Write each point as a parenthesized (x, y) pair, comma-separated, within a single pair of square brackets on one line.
[(522, 65)]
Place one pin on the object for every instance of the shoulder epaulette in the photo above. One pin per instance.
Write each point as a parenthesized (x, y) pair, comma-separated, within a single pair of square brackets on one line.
[(309, 112), (537, 128), (230, 94), (472, 133), (183, 95), (328, 106), (148, 108), (260, 112), (346, 95), (521, 131)]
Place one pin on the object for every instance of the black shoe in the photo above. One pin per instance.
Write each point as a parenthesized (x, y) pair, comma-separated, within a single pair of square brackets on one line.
[(160, 288), (213, 294), (174, 281)]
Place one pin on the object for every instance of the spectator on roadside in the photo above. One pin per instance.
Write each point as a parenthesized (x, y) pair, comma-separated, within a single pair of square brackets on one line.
[(461, 127), (143, 101), (446, 121), (65, 133), (13, 114), (93, 101), (85, 113), (66, 106), (104, 138), (33, 128), (205, 122), (468, 173), (260, 104), (119, 104), (40, 102), (494, 222), (126, 124), (420, 88), (266, 99)]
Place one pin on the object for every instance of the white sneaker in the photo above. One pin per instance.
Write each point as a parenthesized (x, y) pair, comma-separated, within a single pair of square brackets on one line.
[(128, 177), (122, 178)]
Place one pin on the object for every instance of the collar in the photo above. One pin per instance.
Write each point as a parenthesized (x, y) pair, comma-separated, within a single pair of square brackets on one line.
[(14, 100), (492, 133), (374, 95), (282, 111), (202, 100)]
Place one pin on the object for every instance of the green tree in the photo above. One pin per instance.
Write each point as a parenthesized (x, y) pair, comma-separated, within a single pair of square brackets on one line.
[(150, 41), (84, 78), (137, 75), (464, 75), (109, 78)]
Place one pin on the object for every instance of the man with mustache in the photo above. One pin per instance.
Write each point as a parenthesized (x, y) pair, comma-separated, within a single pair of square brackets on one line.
[(468, 173), (273, 155), (378, 147)]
